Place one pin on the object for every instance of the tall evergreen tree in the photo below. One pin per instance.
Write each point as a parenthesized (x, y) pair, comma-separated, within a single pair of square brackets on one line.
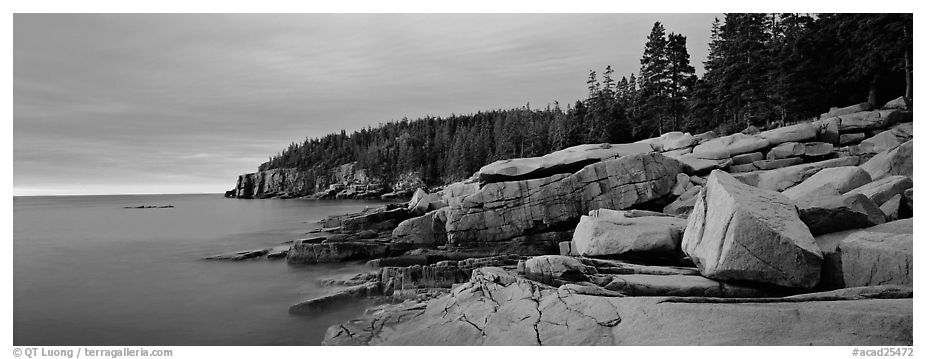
[(681, 77), (654, 87)]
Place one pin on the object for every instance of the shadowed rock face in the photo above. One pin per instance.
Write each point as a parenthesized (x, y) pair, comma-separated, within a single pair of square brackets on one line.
[(738, 232), (504, 210)]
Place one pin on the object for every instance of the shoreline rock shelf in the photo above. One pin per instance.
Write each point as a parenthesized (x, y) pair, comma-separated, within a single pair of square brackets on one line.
[(784, 236)]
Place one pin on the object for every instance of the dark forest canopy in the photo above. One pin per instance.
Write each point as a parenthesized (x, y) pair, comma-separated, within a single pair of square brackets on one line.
[(762, 69)]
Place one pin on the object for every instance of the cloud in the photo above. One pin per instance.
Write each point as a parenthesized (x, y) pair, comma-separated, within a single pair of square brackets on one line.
[(185, 102)]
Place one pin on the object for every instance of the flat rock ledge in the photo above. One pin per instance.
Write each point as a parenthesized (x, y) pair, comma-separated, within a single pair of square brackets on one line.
[(497, 307)]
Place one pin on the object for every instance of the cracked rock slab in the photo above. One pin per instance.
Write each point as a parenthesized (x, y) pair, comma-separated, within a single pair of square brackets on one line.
[(498, 308)]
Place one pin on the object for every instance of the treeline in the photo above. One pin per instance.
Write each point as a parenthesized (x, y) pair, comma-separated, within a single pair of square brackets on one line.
[(762, 70)]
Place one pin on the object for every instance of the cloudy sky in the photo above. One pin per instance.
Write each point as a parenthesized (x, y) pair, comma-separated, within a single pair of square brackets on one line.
[(176, 103)]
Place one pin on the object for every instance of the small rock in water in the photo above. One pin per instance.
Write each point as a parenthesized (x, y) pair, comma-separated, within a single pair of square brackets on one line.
[(147, 206)]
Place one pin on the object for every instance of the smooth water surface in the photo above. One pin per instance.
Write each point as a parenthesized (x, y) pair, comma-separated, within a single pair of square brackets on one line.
[(88, 271)]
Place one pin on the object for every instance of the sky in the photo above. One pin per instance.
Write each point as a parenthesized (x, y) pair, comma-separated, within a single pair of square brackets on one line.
[(184, 103)]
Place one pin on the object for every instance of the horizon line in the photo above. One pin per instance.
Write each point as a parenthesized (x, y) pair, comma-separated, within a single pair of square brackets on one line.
[(109, 194)]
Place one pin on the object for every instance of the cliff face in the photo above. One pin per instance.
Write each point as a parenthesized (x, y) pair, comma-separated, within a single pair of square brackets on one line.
[(344, 181), (278, 182)]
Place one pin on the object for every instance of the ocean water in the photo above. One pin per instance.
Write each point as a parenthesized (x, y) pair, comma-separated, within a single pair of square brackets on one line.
[(87, 271)]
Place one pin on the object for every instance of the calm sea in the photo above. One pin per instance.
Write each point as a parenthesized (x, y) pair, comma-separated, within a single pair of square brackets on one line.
[(87, 271)]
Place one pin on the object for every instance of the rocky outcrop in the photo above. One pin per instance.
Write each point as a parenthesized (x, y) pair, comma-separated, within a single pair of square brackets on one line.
[(504, 210), (278, 182), (737, 232)]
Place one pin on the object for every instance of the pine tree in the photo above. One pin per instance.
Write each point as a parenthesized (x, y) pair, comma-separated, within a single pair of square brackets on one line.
[(654, 82), (681, 77)]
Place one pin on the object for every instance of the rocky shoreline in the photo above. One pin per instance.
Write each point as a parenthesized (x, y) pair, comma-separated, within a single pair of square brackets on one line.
[(796, 235)]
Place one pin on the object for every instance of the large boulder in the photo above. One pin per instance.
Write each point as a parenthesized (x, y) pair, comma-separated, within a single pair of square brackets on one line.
[(882, 190), (794, 133), (873, 258), (898, 161), (843, 179), (783, 178), (734, 144), (567, 160), (605, 232), (737, 232), (840, 212), (501, 211)]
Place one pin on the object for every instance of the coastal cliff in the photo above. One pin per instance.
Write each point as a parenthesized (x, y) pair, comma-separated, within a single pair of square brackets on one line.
[(725, 237), (344, 181)]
